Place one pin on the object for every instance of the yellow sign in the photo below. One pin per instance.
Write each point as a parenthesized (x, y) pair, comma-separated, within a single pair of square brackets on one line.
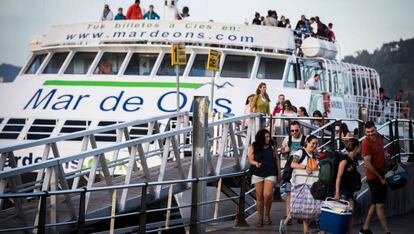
[(178, 56), (213, 61)]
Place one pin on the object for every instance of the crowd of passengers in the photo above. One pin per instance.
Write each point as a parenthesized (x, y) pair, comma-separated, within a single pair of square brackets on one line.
[(313, 26), (264, 157), (260, 103), (135, 12)]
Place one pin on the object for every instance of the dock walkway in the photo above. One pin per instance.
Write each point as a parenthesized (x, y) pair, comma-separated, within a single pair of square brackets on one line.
[(400, 224)]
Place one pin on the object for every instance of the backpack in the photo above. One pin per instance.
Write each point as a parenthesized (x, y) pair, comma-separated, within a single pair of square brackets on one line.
[(287, 170), (353, 183), (324, 30), (328, 168), (302, 141)]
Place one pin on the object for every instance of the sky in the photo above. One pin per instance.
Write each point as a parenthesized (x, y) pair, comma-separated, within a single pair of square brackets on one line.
[(358, 24)]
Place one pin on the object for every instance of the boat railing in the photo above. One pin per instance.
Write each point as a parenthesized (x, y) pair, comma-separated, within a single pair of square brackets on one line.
[(379, 111), (82, 221)]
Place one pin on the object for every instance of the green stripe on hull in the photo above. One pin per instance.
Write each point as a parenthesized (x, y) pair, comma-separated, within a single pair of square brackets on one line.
[(120, 84)]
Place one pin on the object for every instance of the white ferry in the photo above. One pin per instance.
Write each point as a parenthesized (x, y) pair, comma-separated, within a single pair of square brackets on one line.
[(98, 73)]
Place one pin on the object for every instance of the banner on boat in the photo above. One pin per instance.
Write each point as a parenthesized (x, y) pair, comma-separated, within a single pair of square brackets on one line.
[(173, 32)]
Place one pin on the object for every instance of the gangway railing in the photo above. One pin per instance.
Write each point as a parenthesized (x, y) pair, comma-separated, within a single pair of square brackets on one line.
[(80, 224), (134, 154)]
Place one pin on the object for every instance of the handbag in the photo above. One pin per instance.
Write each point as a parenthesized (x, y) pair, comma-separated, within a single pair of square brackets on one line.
[(396, 178), (391, 164), (303, 205), (319, 191)]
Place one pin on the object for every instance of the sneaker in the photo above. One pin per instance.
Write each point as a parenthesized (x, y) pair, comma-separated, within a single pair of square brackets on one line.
[(365, 231), (282, 227)]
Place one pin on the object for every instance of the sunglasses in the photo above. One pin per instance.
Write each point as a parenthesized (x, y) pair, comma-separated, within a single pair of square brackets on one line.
[(294, 130)]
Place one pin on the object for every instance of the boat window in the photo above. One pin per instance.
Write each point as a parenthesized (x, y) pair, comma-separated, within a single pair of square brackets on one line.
[(199, 67), (141, 64), (237, 66), (341, 83), (271, 69), (35, 64), (166, 69), (309, 71), (110, 63), (80, 63), (55, 63)]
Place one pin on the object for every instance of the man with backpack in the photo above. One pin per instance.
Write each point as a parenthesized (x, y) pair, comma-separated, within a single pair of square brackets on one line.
[(290, 145)]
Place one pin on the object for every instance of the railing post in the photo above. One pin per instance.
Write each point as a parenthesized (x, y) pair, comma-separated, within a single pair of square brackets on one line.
[(411, 141), (338, 145), (391, 132), (41, 226), (194, 207), (397, 140), (360, 129), (333, 133), (143, 210), (323, 131), (271, 125), (241, 219), (199, 163), (81, 216)]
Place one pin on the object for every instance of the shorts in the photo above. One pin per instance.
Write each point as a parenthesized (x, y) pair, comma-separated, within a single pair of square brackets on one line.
[(378, 191), (258, 179), (345, 195), (262, 121), (287, 186)]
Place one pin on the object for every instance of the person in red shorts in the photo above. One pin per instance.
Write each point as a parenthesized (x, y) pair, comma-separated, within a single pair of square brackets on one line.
[(374, 159)]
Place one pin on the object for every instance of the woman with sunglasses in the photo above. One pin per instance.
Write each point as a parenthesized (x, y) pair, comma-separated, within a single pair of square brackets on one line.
[(265, 167)]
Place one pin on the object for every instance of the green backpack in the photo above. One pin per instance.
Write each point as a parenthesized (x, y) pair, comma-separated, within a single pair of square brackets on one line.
[(328, 168)]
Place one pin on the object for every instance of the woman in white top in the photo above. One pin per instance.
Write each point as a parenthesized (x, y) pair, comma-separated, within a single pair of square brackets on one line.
[(107, 13), (309, 164), (288, 111), (247, 109)]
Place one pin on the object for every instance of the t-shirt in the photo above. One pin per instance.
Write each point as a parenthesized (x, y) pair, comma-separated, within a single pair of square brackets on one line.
[(262, 105), (267, 158), (376, 150), (311, 83), (296, 157), (296, 144)]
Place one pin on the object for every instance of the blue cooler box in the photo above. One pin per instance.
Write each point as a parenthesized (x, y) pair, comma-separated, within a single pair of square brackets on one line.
[(335, 216)]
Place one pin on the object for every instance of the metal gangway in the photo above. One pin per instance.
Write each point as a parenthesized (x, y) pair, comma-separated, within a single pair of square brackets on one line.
[(58, 200), (114, 180)]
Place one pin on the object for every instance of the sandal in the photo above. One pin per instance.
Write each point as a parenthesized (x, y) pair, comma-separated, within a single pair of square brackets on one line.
[(259, 224), (289, 223), (268, 221)]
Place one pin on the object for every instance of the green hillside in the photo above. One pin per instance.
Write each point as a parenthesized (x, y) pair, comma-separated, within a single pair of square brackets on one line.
[(394, 62)]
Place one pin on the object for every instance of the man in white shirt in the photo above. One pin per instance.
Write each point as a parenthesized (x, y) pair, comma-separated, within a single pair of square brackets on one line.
[(313, 82)]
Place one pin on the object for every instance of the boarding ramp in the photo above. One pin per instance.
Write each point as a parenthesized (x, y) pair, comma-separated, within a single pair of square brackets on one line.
[(399, 142), (119, 181)]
